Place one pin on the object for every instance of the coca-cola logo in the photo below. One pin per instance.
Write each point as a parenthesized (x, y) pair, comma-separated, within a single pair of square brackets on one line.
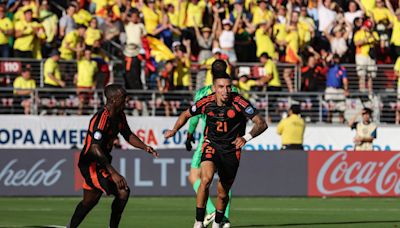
[(371, 173), (32, 176)]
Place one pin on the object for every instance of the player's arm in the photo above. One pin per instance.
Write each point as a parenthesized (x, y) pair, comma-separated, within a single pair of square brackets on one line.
[(182, 119), (259, 126), (133, 140), (259, 123)]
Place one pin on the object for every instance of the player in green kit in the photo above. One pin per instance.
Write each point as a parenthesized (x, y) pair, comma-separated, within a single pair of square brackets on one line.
[(194, 175)]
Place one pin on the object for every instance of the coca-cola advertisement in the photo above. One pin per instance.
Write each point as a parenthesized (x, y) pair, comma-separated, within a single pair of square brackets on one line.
[(350, 173)]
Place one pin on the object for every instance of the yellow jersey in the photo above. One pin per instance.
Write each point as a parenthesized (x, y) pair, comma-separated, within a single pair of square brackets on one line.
[(51, 67), (291, 130), (380, 14), (271, 69), (397, 70), (182, 73), (194, 13), (86, 72), (265, 44), (72, 40), (5, 24), (151, 19), (396, 32), (245, 87), (25, 42), (260, 15), (82, 17), (21, 83), (92, 35), (363, 35)]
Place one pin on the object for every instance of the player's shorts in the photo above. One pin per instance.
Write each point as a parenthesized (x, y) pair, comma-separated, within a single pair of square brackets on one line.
[(196, 159), (227, 164), (97, 177)]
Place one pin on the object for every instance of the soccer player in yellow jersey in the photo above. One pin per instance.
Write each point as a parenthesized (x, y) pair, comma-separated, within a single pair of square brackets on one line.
[(23, 89), (6, 31)]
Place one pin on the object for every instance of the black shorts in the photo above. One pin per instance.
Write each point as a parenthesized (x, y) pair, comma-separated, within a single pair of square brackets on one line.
[(97, 177), (227, 163)]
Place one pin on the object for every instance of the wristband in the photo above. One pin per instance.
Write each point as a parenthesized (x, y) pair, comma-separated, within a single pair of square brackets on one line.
[(247, 137)]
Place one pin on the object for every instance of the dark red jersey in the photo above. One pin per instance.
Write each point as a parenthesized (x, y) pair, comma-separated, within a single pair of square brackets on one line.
[(224, 123), (103, 130)]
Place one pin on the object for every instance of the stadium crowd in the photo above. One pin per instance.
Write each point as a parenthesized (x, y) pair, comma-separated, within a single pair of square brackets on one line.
[(168, 39)]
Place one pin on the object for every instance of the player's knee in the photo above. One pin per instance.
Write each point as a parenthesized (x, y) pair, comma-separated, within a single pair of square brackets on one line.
[(223, 196), (124, 194), (206, 181)]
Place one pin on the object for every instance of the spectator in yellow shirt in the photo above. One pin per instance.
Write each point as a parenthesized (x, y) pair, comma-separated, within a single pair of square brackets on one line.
[(364, 40), (52, 74), (50, 25), (25, 33), (397, 72), (291, 129), (262, 13), (6, 31), (93, 33), (151, 15), (85, 79), (73, 43), (182, 75), (395, 40), (23, 89)]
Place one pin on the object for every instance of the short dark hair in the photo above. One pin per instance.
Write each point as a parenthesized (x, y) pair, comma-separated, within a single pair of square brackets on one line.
[(265, 55), (295, 109), (218, 67), (367, 110), (113, 90)]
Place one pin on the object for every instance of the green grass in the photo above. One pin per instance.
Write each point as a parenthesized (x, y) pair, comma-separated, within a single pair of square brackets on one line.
[(143, 212)]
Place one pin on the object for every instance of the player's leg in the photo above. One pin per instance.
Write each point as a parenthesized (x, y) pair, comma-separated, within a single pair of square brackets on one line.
[(194, 176), (207, 170), (90, 199), (223, 189), (118, 206)]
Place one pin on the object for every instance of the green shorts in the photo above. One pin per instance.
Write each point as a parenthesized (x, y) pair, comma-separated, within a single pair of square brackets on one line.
[(196, 159)]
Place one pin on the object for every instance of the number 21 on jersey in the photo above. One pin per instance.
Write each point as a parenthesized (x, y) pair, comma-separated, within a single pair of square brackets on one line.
[(222, 126)]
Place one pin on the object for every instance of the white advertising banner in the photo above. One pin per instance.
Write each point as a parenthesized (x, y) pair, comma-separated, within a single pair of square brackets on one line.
[(29, 132)]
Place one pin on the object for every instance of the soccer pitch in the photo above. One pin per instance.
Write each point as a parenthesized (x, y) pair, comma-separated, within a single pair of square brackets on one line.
[(143, 212)]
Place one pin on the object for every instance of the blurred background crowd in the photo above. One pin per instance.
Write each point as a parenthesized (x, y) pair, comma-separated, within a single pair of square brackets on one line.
[(162, 42)]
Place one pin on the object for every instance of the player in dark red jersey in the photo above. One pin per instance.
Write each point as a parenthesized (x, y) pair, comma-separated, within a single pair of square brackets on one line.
[(95, 158), (224, 136)]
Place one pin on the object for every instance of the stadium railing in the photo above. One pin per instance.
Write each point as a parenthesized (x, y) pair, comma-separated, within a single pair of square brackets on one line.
[(273, 105)]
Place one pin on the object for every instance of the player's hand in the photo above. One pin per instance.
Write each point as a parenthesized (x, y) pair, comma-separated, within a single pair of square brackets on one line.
[(119, 181), (169, 133), (151, 151), (239, 142), (189, 141)]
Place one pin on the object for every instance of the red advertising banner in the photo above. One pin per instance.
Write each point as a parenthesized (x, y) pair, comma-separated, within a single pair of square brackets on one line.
[(353, 173)]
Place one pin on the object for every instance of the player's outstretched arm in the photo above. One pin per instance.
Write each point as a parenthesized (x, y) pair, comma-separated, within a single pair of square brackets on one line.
[(259, 127), (182, 119), (136, 142), (101, 158)]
